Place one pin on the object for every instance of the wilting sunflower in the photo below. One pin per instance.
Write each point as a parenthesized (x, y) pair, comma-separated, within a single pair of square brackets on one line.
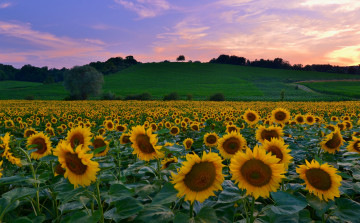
[(230, 144), (79, 168), (257, 171), (198, 178), (280, 115), (42, 143), (144, 144), (1, 162), (211, 139), (263, 133), (354, 145), (121, 128), (333, 141), (251, 117), (188, 143), (278, 148), (79, 136), (165, 163), (299, 119), (174, 130), (28, 132), (99, 141), (321, 180), (232, 128), (125, 138)]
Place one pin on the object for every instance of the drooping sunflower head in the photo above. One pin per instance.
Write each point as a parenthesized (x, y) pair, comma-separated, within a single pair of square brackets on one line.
[(251, 117), (211, 139), (263, 133), (232, 128), (121, 128), (198, 178), (28, 132), (354, 145), (42, 143), (321, 180), (278, 148), (125, 138), (174, 130), (332, 141), (79, 168), (79, 136), (280, 115), (144, 144), (99, 142), (257, 171), (188, 143), (165, 163), (299, 119), (230, 144)]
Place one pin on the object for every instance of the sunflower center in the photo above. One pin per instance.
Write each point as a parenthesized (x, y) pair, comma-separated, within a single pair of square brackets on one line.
[(231, 145), (167, 164), (211, 139), (310, 119), (109, 125), (120, 128), (232, 129), (144, 144), (251, 117), (126, 139), (280, 115), (318, 178), (40, 145), (59, 170), (98, 143), (256, 172), (76, 140), (29, 133), (268, 134), (334, 142), (174, 130), (201, 176), (195, 127), (74, 164), (357, 146), (300, 119), (276, 151), (330, 128), (188, 144)]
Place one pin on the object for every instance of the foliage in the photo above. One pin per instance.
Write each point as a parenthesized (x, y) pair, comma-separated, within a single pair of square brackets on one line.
[(171, 97), (141, 97), (217, 97), (180, 58)]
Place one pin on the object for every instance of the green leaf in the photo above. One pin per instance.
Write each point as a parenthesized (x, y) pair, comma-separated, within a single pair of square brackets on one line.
[(69, 206), (82, 217), (22, 220), (304, 216), (48, 158), (6, 205), (99, 150), (320, 206), (230, 194), (166, 195), (347, 210), (181, 218), (206, 215), (156, 214), (117, 192), (19, 193), (128, 207), (287, 204), (12, 179)]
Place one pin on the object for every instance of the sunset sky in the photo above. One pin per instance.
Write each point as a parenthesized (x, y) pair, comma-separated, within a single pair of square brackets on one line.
[(67, 33)]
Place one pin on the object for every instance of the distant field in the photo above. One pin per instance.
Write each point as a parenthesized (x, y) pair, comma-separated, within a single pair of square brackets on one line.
[(200, 80), (344, 88)]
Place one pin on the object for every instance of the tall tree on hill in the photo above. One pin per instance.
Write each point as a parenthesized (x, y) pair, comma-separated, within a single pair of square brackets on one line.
[(180, 58), (83, 82)]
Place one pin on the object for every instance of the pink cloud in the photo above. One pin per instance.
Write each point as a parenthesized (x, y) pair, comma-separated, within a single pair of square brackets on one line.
[(5, 5), (145, 8)]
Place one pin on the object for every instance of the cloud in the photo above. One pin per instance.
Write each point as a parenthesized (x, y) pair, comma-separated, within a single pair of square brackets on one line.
[(5, 5), (145, 8)]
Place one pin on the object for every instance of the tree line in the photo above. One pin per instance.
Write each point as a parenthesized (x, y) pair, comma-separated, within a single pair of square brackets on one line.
[(279, 63), (45, 75)]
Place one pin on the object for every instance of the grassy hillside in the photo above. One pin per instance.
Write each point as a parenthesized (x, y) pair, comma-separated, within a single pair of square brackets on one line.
[(345, 88), (199, 80)]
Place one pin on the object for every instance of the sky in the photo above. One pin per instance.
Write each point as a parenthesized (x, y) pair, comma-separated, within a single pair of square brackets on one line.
[(75, 32)]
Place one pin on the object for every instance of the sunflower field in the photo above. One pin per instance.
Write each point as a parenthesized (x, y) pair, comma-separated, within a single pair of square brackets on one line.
[(179, 161)]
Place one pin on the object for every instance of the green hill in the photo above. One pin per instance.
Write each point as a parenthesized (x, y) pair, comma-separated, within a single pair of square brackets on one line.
[(199, 80)]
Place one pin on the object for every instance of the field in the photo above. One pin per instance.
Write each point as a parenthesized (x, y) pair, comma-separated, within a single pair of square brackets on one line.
[(344, 88), (128, 161), (198, 80)]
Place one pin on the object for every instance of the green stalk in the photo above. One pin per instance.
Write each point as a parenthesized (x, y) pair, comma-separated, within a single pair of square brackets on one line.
[(99, 201), (191, 209), (252, 210), (159, 168)]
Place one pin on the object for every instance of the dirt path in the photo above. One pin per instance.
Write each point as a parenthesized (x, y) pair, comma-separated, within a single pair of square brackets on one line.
[(304, 88), (311, 81)]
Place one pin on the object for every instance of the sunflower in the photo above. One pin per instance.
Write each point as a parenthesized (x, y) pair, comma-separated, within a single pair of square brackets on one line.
[(109, 125), (321, 180), (4, 144), (354, 146), (232, 128), (165, 163), (79, 136), (9, 124), (331, 127), (1, 162), (195, 127), (257, 171), (121, 128), (230, 144), (125, 138), (299, 119), (42, 143), (99, 141), (28, 132), (280, 115), (144, 144), (333, 141), (59, 170), (211, 139), (278, 148), (310, 119), (188, 143), (79, 168), (153, 126), (174, 130), (263, 133), (251, 117), (198, 178)]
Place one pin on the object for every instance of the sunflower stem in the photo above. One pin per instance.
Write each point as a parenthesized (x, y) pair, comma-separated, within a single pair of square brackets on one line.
[(191, 209), (99, 201), (252, 210), (159, 168)]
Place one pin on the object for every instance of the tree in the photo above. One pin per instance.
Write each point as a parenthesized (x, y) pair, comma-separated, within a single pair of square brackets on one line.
[(83, 82), (180, 58)]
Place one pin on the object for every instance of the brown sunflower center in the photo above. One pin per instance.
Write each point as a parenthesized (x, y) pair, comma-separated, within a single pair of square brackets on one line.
[(74, 164), (126, 139), (120, 128), (59, 170), (232, 129), (174, 130), (144, 144), (309, 119), (232, 145), (300, 119), (357, 146), (331, 128), (276, 151), (201, 176), (334, 142), (280, 116), (98, 143), (40, 145), (195, 127), (268, 134), (188, 143), (76, 139), (256, 172), (251, 117), (211, 139), (318, 178), (28, 133), (110, 125)]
